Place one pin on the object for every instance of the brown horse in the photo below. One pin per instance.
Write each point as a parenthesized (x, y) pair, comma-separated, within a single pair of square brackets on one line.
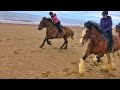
[(118, 30), (98, 45), (53, 33)]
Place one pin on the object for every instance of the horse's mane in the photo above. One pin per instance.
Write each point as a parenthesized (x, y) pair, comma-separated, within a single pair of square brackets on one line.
[(49, 20), (88, 24), (118, 26)]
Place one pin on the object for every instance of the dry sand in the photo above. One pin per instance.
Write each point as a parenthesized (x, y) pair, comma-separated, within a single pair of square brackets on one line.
[(21, 57)]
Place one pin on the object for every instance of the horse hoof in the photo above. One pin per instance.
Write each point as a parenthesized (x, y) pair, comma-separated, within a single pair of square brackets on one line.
[(49, 43), (60, 48), (81, 74), (97, 63), (94, 60), (65, 48), (82, 68)]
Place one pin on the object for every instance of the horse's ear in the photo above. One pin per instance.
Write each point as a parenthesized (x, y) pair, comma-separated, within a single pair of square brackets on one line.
[(117, 26), (44, 17), (85, 24)]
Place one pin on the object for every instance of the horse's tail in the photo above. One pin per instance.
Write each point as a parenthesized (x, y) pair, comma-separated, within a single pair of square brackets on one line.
[(69, 32)]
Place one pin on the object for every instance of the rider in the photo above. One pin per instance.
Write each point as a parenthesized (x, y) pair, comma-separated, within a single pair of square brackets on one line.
[(56, 22), (106, 25)]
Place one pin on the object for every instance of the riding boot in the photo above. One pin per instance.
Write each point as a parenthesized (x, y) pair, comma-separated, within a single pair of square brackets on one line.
[(61, 32), (110, 41), (111, 48)]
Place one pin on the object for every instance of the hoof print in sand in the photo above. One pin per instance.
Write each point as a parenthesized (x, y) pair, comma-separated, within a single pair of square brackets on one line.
[(7, 39), (2, 56), (74, 72), (1, 40), (90, 69), (111, 75), (72, 46), (65, 70), (73, 63), (55, 48), (68, 73), (35, 51), (45, 74), (71, 73), (20, 39), (15, 52), (32, 51)]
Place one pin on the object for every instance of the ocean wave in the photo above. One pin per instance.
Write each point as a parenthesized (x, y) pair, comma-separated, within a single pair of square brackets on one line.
[(67, 18), (18, 22)]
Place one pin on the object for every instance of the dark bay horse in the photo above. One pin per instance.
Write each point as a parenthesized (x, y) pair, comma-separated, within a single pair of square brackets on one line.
[(53, 33), (98, 45)]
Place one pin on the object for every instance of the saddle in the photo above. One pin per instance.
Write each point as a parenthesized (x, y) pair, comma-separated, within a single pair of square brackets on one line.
[(59, 33)]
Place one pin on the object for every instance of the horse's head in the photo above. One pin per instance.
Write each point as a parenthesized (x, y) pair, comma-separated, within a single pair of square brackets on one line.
[(42, 24), (117, 28), (86, 33)]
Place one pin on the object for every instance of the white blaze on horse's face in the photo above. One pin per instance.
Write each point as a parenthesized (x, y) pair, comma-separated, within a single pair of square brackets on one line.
[(82, 35)]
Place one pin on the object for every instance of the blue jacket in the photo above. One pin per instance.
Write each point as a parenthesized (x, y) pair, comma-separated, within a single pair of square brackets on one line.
[(106, 24)]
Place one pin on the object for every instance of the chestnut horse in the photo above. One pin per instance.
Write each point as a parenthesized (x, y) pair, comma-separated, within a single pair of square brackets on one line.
[(98, 45), (53, 33)]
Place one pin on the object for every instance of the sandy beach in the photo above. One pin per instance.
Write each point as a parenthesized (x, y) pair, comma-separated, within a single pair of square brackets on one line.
[(21, 57)]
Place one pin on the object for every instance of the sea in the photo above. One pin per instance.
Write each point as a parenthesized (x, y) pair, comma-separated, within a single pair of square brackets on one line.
[(69, 18)]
